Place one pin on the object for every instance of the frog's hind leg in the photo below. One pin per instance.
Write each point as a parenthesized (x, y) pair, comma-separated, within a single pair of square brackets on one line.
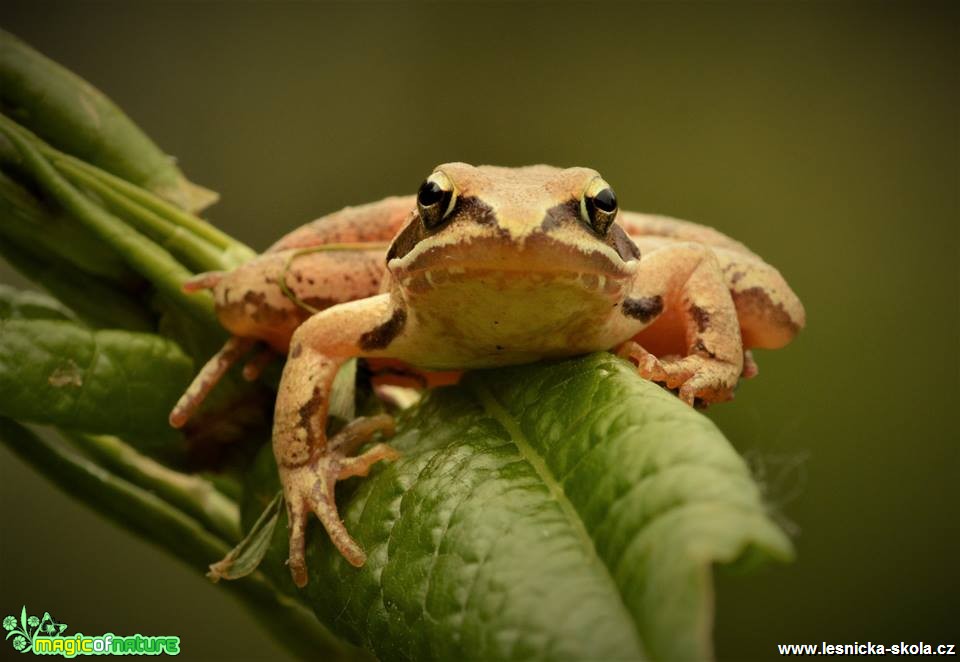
[(690, 340), (769, 312), (253, 368), (211, 373), (394, 372)]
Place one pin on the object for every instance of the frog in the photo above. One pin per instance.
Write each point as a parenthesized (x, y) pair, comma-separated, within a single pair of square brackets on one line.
[(483, 267)]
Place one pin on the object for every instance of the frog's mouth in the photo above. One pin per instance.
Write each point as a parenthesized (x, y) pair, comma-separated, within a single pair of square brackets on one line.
[(539, 254)]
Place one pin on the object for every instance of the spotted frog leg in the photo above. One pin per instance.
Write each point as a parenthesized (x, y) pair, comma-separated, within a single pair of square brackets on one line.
[(769, 312), (310, 464)]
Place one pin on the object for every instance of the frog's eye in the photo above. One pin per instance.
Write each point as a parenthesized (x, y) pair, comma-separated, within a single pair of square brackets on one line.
[(599, 206), (435, 199)]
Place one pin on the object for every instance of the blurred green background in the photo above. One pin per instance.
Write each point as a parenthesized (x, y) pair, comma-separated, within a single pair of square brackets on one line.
[(825, 136)]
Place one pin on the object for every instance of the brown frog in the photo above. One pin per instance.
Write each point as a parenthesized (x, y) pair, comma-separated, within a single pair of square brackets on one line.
[(485, 266)]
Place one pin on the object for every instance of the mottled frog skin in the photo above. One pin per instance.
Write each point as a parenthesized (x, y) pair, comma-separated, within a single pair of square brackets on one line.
[(485, 266)]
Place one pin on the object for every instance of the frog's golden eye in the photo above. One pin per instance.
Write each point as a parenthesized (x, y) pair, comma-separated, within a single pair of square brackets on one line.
[(435, 199), (599, 206)]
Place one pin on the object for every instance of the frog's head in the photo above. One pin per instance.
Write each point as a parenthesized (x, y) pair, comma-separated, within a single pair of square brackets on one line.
[(538, 222)]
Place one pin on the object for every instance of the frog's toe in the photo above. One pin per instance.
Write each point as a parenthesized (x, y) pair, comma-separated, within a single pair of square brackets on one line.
[(669, 371), (648, 365), (324, 506), (297, 515), (707, 387), (310, 489), (208, 377), (358, 431), (253, 368), (697, 380), (361, 464)]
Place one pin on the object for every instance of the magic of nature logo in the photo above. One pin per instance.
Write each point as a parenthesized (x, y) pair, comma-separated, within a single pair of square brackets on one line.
[(44, 636)]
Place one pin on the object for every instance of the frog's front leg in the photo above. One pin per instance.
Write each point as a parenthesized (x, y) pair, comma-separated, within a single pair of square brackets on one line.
[(679, 291), (309, 463)]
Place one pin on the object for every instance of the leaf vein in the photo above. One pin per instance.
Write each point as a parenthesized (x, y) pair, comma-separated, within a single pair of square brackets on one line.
[(555, 489)]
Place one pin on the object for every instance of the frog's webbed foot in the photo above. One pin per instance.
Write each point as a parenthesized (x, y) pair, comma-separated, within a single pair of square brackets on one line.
[(698, 380), (309, 488)]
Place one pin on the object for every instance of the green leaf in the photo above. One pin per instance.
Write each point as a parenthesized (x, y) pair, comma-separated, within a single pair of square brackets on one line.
[(343, 393), (194, 495), (24, 304), (246, 556), (561, 511), (115, 382), (95, 302)]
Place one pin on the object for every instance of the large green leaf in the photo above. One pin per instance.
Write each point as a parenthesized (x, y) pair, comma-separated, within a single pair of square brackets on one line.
[(561, 511), (62, 373)]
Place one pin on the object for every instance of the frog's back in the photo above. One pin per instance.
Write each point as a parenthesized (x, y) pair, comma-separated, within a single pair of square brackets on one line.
[(647, 228)]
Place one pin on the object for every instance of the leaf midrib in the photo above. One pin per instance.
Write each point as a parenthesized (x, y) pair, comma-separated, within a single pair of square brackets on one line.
[(495, 410)]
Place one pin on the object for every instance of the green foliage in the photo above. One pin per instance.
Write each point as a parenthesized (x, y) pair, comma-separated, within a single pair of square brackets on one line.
[(16, 304), (29, 222), (248, 554), (150, 516), (71, 113), (119, 382), (556, 511)]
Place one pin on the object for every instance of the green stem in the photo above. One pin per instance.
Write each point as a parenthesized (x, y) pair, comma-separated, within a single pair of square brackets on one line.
[(24, 217), (191, 494), (143, 255), (97, 303), (151, 202), (196, 252)]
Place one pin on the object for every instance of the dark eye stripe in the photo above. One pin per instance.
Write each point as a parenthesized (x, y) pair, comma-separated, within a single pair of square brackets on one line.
[(465, 210), (621, 242), (569, 213), (410, 236)]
